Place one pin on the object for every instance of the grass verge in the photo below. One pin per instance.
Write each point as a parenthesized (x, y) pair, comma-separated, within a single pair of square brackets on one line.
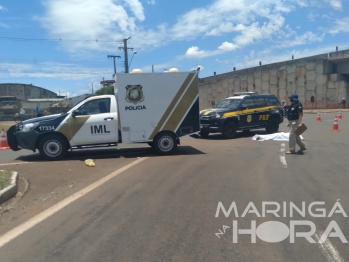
[(5, 179)]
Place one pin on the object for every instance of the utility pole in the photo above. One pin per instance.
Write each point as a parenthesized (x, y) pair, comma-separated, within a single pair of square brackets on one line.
[(114, 56), (92, 88), (125, 48)]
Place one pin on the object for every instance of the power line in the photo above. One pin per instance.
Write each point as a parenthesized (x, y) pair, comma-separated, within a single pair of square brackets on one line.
[(135, 52), (55, 73), (71, 64), (38, 66), (37, 77), (57, 40), (36, 61)]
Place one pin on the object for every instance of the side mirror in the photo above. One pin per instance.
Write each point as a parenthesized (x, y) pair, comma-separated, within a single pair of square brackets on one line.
[(75, 113), (243, 108)]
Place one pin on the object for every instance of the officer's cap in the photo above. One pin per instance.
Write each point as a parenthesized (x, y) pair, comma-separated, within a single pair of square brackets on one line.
[(294, 97)]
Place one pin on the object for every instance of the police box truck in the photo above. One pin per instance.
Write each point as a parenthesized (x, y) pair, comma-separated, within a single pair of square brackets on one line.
[(153, 108)]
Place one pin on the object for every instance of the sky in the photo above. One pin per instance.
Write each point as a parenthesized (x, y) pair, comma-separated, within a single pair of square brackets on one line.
[(63, 45)]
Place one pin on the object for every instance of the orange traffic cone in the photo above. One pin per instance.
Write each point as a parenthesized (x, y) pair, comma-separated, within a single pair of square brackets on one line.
[(335, 125), (318, 118), (3, 141), (340, 115)]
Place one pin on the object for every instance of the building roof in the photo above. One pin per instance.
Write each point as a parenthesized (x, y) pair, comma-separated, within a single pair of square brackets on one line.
[(45, 99), (31, 85), (107, 81)]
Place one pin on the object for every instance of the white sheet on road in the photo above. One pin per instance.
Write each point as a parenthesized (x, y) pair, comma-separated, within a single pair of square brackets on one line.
[(277, 137)]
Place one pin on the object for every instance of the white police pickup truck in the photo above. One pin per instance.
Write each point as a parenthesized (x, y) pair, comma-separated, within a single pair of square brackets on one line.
[(153, 108)]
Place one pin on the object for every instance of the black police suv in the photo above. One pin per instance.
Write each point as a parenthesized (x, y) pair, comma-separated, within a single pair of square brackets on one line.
[(243, 111)]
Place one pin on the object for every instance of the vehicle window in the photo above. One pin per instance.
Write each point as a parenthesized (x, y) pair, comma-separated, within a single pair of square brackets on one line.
[(248, 103), (272, 101), (97, 106), (228, 103), (260, 102)]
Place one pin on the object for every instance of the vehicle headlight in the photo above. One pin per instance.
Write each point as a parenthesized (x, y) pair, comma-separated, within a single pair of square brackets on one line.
[(29, 127), (215, 116), (218, 116)]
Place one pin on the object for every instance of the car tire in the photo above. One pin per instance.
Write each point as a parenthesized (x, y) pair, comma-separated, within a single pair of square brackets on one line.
[(204, 133), (165, 143), (229, 130), (151, 144), (53, 147), (273, 126)]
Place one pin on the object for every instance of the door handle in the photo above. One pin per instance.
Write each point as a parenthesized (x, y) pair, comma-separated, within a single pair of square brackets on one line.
[(111, 118), (255, 111)]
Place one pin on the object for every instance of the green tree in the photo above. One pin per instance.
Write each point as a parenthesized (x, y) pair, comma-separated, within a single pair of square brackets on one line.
[(107, 90)]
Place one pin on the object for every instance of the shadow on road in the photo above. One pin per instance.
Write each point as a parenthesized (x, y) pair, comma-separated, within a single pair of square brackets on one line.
[(111, 154)]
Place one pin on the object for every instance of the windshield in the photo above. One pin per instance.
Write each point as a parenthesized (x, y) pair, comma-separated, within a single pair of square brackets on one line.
[(228, 103)]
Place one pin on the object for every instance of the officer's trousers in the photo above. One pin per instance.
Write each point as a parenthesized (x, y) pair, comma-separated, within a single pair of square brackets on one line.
[(293, 137)]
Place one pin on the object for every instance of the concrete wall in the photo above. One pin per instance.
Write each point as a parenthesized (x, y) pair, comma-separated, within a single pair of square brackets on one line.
[(343, 68), (311, 76), (40, 104), (338, 55), (24, 92)]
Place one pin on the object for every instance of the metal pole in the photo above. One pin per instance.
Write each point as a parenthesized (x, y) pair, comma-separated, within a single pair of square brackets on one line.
[(114, 67), (126, 57), (114, 56)]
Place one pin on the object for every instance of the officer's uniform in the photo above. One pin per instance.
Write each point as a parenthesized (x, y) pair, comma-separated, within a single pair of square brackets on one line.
[(293, 118)]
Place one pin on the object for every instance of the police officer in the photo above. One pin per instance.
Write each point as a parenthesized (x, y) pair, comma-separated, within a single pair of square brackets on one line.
[(343, 102), (294, 116), (38, 112)]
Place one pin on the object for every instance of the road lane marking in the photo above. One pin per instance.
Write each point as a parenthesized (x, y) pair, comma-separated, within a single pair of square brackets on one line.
[(12, 164), (12, 234), (328, 250), (282, 155)]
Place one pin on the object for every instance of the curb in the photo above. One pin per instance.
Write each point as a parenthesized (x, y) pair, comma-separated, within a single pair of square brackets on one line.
[(10, 191), (323, 112)]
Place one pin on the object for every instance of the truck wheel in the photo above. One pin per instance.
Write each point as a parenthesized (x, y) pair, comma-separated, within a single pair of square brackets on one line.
[(204, 133), (53, 147), (151, 144), (165, 143), (273, 126), (229, 130)]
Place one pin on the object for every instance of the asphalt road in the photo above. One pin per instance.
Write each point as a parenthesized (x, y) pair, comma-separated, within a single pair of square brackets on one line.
[(163, 208)]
